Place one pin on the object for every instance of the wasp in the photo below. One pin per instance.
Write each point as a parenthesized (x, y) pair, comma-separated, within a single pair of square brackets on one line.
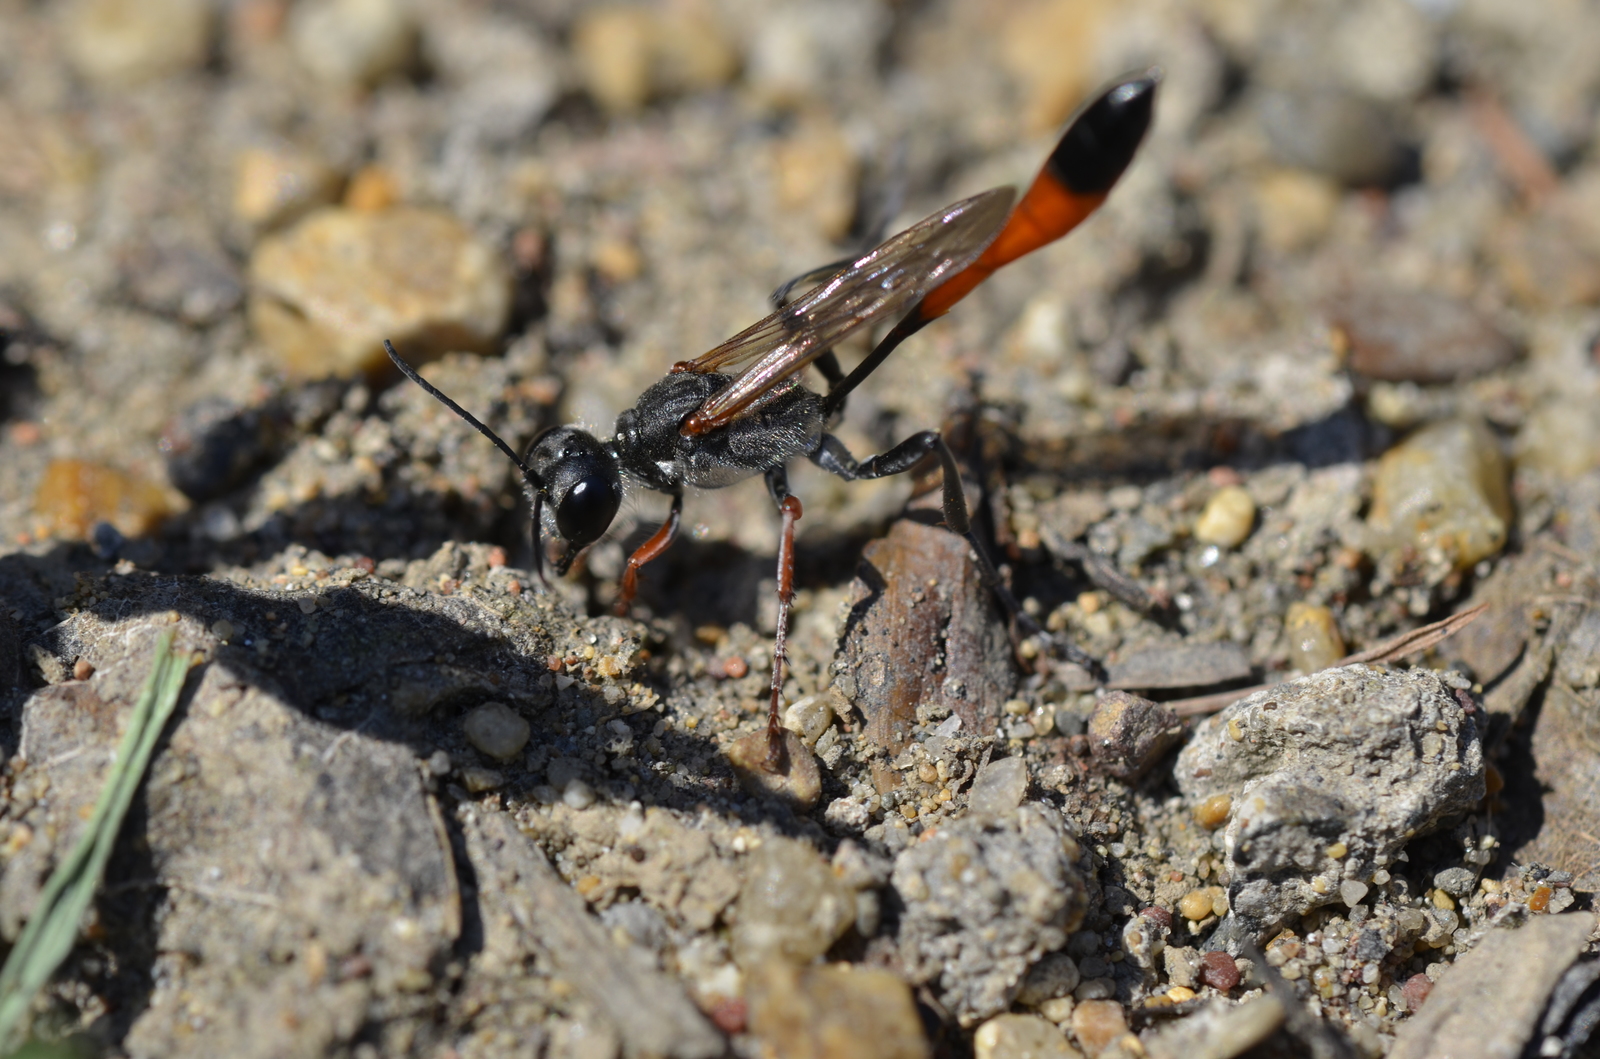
[(742, 409)]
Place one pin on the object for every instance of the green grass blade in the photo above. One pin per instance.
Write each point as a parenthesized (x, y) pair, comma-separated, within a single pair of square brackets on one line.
[(53, 927)]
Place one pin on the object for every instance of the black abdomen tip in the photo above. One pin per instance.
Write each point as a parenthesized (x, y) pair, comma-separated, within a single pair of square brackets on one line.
[(1102, 139)]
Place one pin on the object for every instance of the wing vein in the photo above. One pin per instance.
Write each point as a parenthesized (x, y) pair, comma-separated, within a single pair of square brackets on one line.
[(888, 280)]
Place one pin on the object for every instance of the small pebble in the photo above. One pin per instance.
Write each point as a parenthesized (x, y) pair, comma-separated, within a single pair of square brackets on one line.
[(1219, 971), (1352, 892), (1213, 812), (1182, 964), (214, 444), (1096, 1023), (1295, 208), (1195, 905), (1419, 336), (1179, 665), (817, 177), (612, 47), (1228, 517), (478, 780), (1144, 938), (617, 260), (1444, 486), (999, 787), (792, 906), (1055, 975), (628, 54), (735, 668), (1386, 51), (810, 717), (730, 1014), (117, 43), (1047, 50), (327, 291), (372, 189), (1095, 989), (82, 669), (1161, 916), (1129, 734), (796, 53), (1457, 881), (797, 779), (1561, 437), (1337, 133), (1416, 990), (1314, 640), (1020, 1037), (1059, 1010), (1545, 260), (578, 794), (272, 187), (833, 1011), (352, 43), (496, 730)]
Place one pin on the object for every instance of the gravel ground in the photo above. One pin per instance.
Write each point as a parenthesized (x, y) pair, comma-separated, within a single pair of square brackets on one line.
[(1324, 369)]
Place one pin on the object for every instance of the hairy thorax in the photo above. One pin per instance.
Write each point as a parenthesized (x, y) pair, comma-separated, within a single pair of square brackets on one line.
[(653, 449)]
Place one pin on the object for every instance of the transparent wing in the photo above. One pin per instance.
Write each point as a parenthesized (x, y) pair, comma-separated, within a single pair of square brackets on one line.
[(884, 282)]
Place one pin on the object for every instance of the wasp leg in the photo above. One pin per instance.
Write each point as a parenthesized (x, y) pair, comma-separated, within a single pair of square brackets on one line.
[(808, 278), (827, 363), (659, 542), (840, 389), (789, 509), (833, 457)]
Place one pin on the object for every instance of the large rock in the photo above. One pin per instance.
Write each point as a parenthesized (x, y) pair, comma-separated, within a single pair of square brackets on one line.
[(792, 905), (291, 879), (327, 291), (1330, 776), (984, 898)]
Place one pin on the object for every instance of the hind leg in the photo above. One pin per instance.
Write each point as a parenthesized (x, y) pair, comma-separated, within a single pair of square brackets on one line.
[(833, 457)]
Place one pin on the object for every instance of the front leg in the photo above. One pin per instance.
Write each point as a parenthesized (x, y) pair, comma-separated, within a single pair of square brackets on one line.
[(659, 542), (833, 457), (789, 509)]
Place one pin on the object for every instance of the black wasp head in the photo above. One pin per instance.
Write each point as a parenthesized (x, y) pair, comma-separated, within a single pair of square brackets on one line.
[(571, 470), (579, 478)]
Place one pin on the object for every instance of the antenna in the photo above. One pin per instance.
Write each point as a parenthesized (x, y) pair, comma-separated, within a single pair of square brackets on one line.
[(411, 373), (527, 472)]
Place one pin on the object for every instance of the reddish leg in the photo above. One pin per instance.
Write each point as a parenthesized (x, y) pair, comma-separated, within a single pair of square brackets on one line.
[(659, 542), (789, 507)]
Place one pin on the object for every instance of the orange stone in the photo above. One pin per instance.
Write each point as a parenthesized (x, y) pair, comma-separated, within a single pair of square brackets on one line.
[(1096, 1023), (74, 495), (833, 1011), (372, 188), (1213, 812)]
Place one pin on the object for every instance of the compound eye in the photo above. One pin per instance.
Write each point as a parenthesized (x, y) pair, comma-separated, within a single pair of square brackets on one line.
[(585, 513)]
